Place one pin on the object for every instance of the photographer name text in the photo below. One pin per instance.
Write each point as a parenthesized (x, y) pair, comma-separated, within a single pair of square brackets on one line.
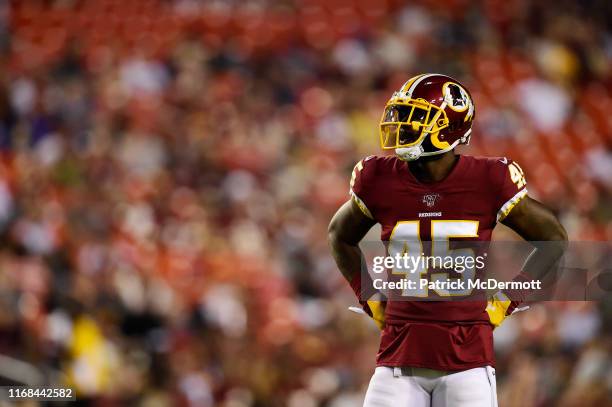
[(457, 284)]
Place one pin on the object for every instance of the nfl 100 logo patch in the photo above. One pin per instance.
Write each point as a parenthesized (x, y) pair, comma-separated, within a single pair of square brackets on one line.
[(431, 199)]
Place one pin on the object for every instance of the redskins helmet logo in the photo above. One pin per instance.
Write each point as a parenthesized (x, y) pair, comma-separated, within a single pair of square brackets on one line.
[(457, 98)]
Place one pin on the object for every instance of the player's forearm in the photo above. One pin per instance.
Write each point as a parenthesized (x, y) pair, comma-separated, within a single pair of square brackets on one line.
[(344, 242), (537, 224), (348, 257), (351, 262), (346, 229), (544, 258), (550, 241)]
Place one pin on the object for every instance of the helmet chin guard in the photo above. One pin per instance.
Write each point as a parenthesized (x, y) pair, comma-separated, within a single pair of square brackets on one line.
[(409, 153)]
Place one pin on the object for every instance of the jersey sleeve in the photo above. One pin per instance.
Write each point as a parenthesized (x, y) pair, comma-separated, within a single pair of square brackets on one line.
[(361, 186), (512, 186)]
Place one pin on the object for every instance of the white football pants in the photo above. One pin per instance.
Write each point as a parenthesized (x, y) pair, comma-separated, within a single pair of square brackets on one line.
[(418, 387)]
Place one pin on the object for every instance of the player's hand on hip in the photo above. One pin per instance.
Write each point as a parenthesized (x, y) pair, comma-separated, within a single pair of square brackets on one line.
[(499, 307), (375, 308)]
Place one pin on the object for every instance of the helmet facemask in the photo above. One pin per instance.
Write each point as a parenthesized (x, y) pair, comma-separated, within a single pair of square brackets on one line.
[(406, 123)]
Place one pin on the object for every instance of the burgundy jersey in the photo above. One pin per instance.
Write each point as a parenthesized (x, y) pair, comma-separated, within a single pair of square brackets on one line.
[(466, 205)]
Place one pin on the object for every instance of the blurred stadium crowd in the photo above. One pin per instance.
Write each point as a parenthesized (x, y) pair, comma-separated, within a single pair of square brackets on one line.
[(168, 170)]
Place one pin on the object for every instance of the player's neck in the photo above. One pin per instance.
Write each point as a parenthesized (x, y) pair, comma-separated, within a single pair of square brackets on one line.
[(434, 168)]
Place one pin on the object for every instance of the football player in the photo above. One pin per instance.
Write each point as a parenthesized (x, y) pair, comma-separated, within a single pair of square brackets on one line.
[(436, 353)]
